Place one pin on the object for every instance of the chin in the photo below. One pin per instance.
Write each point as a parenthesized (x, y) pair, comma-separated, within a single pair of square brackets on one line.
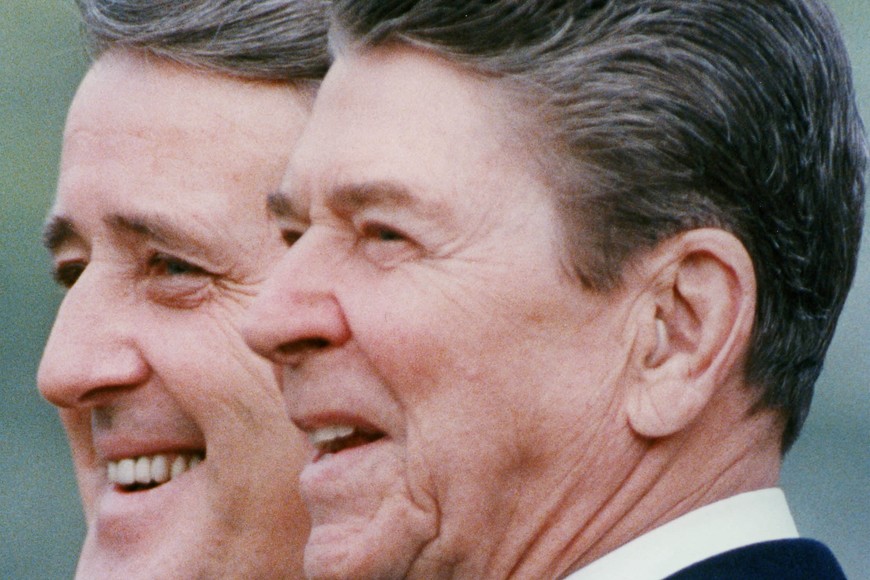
[(99, 562), (172, 557)]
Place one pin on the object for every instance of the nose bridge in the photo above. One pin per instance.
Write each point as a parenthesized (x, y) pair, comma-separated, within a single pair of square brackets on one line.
[(92, 347), (297, 307), (315, 261), (310, 269)]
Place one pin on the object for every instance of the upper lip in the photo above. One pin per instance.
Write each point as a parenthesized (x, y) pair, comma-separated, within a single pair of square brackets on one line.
[(331, 419), (110, 447)]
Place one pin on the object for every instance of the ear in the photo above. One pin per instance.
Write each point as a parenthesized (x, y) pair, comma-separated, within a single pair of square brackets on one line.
[(692, 330)]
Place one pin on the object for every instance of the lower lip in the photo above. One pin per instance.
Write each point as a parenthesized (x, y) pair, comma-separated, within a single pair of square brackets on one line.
[(330, 474)]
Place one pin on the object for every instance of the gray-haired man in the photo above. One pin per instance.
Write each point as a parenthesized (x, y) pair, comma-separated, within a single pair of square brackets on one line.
[(560, 279)]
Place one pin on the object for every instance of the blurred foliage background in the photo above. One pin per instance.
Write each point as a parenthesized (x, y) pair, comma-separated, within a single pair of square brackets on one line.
[(41, 526)]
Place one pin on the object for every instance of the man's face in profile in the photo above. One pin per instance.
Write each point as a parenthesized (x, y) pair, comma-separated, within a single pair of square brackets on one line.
[(431, 335), (186, 460)]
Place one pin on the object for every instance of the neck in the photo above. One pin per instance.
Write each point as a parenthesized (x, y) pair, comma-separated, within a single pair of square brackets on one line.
[(724, 453)]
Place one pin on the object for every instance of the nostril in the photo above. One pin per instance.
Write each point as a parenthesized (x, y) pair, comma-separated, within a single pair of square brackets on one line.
[(303, 345), (291, 353)]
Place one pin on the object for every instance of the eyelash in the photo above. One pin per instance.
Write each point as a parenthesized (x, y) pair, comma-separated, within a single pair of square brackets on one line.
[(383, 233), (67, 273), (381, 243), (290, 237), (163, 264)]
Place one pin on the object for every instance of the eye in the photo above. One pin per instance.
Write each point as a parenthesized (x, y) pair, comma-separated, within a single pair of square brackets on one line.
[(383, 233), (176, 283), (67, 273), (387, 246), (162, 264), (290, 237)]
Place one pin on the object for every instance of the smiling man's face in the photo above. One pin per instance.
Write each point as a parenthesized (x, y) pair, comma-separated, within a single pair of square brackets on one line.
[(186, 459), (455, 378)]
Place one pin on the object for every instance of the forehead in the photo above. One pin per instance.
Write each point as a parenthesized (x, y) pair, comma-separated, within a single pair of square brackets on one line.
[(397, 113), (147, 134), (137, 89)]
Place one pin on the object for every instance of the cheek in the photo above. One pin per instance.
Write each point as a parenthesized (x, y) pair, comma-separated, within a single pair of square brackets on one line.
[(492, 345), (201, 358), (422, 321), (477, 364)]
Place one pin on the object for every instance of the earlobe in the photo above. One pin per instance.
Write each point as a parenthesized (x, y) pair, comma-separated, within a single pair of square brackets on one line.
[(701, 286), (667, 396)]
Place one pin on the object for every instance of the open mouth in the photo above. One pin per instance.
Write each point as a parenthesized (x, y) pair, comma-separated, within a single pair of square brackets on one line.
[(338, 438), (149, 471)]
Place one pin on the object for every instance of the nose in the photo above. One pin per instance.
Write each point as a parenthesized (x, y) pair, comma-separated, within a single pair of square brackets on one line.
[(91, 353), (297, 313)]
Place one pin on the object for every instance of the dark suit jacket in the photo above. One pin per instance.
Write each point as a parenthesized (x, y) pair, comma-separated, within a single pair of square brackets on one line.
[(778, 560)]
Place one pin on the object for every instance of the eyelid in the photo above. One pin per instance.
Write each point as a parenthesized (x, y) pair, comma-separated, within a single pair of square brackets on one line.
[(386, 245), (291, 229), (378, 229), (187, 288), (291, 235), (66, 272), (163, 259)]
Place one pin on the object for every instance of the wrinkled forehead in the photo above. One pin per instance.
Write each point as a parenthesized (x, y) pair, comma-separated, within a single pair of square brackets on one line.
[(134, 87), (145, 136), (142, 92), (399, 112)]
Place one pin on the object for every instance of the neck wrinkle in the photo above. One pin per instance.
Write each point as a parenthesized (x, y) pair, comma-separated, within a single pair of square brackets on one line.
[(680, 474), (710, 461)]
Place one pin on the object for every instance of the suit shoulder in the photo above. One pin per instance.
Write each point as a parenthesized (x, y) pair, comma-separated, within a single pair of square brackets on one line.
[(798, 559)]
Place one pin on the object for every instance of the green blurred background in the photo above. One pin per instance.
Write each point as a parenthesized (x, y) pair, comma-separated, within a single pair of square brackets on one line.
[(826, 476)]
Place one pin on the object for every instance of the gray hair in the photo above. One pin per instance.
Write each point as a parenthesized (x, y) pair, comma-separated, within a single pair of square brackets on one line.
[(668, 115), (281, 40)]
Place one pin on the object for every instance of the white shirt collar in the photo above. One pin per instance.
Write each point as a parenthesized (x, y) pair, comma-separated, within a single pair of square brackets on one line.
[(748, 518)]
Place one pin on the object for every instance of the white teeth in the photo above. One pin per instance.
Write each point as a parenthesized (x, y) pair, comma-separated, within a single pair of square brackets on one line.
[(328, 434), (143, 470), (179, 466), (160, 468), (147, 469), (126, 472)]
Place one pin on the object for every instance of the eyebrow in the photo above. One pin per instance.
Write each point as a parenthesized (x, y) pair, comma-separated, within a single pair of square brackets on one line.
[(60, 229), (57, 231), (160, 228), (353, 197), (358, 196), (281, 205)]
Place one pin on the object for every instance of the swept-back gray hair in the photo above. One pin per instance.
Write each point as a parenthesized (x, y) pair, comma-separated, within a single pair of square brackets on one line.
[(281, 40), (667, 115)]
